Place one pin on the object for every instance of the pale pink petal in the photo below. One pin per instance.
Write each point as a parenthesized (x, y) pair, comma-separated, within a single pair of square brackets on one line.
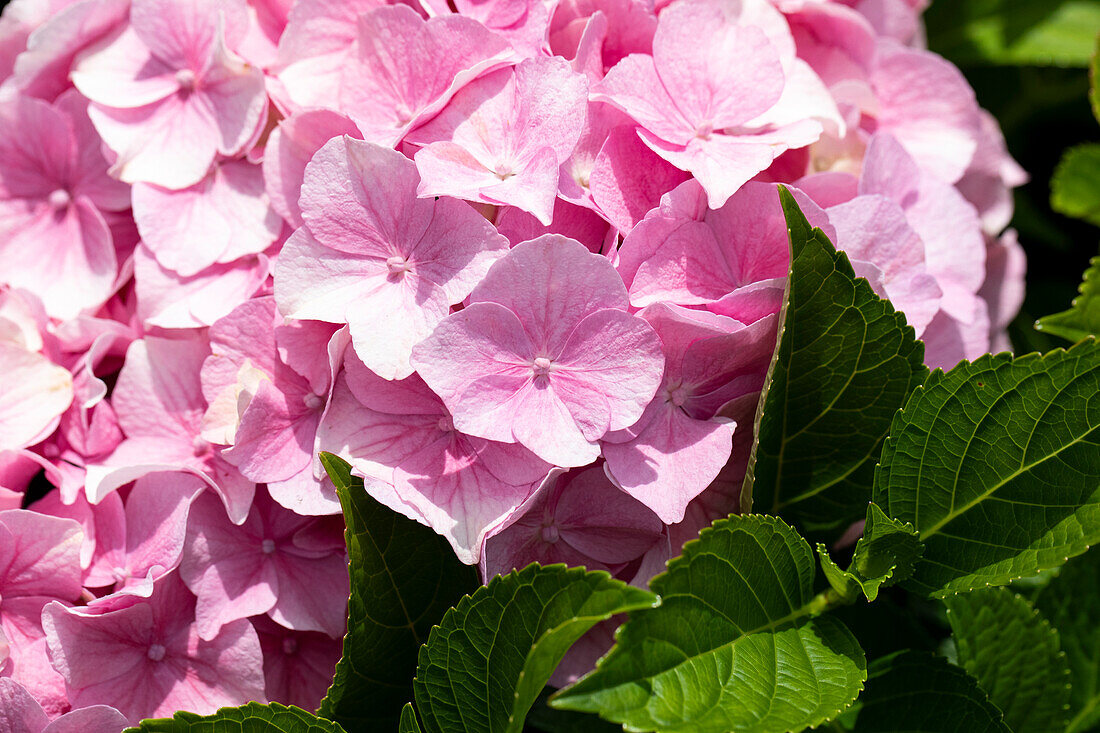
[(407, 68), (628, 179), (19, 711), (218, 220), (91, 719), (40, 556), (36, 394)]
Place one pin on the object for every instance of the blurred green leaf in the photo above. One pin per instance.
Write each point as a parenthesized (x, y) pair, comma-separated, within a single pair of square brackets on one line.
[(404, 577), (920, 693), (1075, 187), (1083, 317), (736, 644), (1071, 602), (1014, 654), (1014, 32)]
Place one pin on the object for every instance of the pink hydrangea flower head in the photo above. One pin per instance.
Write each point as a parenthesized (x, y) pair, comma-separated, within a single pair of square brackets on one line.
[(298, 665), (578, 518), (155, 641), (702, 99), (220, 219), (159, 402), (377, 258), (169, 95), (408, 68), (402, 440), (545, 354), (680, 444), (262, 567), (53, 187), (21, 713), (502, 138)]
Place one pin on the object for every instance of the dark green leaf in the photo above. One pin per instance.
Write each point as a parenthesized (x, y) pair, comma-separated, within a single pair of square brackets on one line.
[(250, 718), (403, 578), (1021, 32), (844, 365), (491, 655), (1071, 602), (1083, 317), (546, 719), (919, 693), (408, 722), (734, 645), (884, 555), (997, 465), (1014, 654), (1075, 186)]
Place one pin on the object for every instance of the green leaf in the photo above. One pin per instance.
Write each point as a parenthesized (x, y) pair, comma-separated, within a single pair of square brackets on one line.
[(997, 465), (1094, 80), (884, 555), (1071, 602), (1075, 186), (919, 693), (408, 722), (491, 655), (844, 365), (734, 645), (250, 718), (1014, 654), (1083, 317), (1014, 32), (546, 719), (403, 579)]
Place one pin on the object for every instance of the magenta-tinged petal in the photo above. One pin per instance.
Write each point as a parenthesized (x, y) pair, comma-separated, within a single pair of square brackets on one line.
[(156, 520), (298, 665), (37, 392), (40, 556), (19, 711), (628, 179), (155, 641), (634, 86), (576, 222), (168, 300), (388, 92), (720, 74), (275, 438), (613, 356), (64, 255), (319, 39), (290, 147), (218, 220), (185, 34), (671, 460), (224, 566), (926, 103), (477, 360), (91, 719)]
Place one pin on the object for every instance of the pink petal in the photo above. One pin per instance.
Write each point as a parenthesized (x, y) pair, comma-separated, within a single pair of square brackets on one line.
[(19, 711), (37, 392)]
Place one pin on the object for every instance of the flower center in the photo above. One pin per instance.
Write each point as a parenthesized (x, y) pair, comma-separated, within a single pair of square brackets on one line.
[(59, 199), (704, 130), (541, 366), (267, 547), (156, 652), (186, 79), (446, 424), (199, 446), (398, 266), (678, 396), (313, 401), (290, 646), (121, 574), (550, 534)]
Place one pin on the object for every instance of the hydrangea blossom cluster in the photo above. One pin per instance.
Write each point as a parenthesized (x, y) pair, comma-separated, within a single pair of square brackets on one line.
[(519, 262)]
